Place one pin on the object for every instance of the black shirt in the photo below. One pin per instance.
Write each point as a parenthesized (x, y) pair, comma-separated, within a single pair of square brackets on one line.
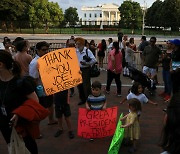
[(13, 93), (166, 61)]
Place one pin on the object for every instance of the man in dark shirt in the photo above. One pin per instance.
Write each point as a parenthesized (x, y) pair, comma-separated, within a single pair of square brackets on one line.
[(141, 46), (151, 55)]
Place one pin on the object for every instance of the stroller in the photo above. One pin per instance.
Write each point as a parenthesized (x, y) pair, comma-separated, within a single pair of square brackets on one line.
[(142, 78)]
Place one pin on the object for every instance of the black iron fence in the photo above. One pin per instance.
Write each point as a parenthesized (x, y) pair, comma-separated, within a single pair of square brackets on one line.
[(81, 27)]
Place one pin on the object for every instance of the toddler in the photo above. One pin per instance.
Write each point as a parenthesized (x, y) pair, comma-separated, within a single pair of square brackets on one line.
[(132, 128)]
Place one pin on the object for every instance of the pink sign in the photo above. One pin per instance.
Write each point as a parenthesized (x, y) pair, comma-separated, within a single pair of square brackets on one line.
[(97, 123)]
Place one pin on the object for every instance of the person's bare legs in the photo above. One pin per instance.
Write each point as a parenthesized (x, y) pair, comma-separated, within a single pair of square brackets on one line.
[(60, 130), (51, 115), (68, 122), (101, 62), (60, 121)]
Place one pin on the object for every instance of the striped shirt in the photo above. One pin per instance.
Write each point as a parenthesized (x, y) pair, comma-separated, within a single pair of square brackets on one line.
[(96, 102)]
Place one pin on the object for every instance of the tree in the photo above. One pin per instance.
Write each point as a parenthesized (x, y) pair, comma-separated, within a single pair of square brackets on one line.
[(44, 12), (131, 14), (11, 10), (171, 14), (71, 16), (154, 14), (164, 14)]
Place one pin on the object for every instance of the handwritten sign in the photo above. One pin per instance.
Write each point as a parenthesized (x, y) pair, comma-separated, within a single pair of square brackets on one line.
[(117, 138), (97, 123), (59, 70)]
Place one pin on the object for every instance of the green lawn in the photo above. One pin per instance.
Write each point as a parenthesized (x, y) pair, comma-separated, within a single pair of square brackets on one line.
[(80, 31)]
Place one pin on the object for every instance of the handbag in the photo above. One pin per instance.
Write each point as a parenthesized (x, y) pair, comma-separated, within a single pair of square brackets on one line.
[(17, 145), (94, 70)]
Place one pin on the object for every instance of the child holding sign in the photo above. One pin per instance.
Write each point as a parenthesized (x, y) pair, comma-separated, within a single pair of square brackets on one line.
[(62, 107), (132, 129), (97, 100)]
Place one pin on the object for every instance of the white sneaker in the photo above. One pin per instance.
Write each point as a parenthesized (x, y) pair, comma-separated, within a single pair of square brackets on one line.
[(119, 95)]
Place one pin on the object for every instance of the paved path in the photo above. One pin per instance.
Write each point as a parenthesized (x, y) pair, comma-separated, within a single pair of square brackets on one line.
[(150, 122), (58, 37)]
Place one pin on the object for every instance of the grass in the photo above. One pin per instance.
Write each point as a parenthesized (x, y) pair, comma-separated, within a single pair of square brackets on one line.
[(80, 31)]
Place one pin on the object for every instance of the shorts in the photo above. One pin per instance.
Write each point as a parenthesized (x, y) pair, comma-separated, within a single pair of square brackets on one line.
[(61, 104), (101, 54), (46, 101), (147, 70), (61, 110)]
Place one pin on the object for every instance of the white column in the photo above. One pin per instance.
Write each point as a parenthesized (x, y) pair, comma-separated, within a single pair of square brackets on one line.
[(109, 17), (102, 16), (116, 16)]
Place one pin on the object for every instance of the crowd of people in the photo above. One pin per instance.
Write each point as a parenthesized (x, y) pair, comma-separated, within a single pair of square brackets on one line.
[(20, 81)]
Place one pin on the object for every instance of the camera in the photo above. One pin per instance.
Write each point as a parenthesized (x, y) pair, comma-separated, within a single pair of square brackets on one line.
[(86, 58)]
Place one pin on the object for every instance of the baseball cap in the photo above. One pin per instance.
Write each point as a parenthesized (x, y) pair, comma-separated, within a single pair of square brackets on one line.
[(175, 42)]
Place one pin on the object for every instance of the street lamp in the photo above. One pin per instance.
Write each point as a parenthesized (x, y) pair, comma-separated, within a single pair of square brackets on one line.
[(144, 11)]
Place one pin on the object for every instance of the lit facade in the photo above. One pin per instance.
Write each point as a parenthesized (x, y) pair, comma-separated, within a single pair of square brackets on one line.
[(106, 14)]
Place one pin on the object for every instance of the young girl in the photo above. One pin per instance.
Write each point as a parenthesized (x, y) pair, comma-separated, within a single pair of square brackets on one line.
[(137, 92), (132, 129), (101, 53)]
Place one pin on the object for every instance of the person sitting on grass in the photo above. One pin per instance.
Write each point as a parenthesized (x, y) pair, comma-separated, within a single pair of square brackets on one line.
[(62, 107)]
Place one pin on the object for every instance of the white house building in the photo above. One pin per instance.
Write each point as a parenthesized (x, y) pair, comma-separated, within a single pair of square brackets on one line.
[(106, 14)]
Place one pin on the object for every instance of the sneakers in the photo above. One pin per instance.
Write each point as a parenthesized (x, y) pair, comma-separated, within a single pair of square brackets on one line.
[(119, 95), (167, 98), (58, 133), (107, 91), (91, 139), (71, 134)]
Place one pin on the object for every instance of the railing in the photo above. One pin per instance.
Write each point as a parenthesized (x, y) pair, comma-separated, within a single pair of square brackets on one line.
[(81, 27), (55, 46)]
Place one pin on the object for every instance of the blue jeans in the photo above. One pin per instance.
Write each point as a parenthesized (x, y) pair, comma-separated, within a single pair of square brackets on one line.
[(167, 81)]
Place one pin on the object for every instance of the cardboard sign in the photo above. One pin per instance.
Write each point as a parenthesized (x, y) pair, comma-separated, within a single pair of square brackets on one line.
[(117, 138), (59, 70), (97, 123)]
